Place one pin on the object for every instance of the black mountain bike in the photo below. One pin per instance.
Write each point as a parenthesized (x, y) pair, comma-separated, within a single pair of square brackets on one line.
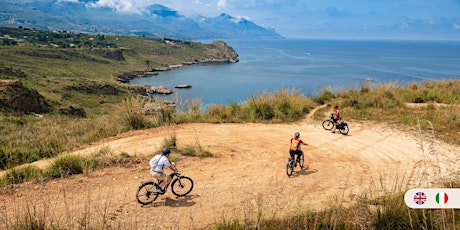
[(291, 164), (342, 127), (180, 186)]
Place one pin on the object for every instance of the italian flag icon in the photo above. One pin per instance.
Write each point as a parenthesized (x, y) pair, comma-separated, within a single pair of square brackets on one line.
[(441, 198)]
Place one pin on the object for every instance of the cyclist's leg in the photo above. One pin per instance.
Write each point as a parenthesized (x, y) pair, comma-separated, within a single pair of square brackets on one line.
[(162, 177), (292, 153), (299, 154)]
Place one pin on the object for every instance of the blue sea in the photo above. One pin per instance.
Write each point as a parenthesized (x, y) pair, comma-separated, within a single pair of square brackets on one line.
[(310, 66)]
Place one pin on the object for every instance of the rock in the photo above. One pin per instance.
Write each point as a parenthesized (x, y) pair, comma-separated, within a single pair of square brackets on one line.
[(184, 86), (159, 90), (14, 96), (153, 107)]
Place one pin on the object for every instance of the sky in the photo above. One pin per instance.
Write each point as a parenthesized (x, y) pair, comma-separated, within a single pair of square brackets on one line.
[(422, 19)]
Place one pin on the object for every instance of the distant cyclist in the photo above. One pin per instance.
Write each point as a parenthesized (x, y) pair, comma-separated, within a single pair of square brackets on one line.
[(295, 147), (335, 117), (157, 164)]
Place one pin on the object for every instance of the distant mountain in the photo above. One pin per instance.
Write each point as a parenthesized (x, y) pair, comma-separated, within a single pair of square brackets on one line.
[(228, 26), (87, 16)]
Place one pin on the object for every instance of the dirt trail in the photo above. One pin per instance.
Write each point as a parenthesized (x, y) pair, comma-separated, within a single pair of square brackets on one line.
[(246, 175)]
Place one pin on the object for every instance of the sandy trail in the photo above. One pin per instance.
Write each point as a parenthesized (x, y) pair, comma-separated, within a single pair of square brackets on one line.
[(246, 175)]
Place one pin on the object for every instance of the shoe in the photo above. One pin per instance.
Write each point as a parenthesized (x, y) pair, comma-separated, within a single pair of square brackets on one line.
[(333, 131), (159, 190)]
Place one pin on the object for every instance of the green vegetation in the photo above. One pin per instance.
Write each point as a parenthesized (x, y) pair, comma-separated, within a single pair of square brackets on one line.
[(86, 104), (396, 104)]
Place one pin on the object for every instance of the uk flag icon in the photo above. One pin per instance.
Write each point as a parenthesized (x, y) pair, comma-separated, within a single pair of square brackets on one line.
[(420, 198)]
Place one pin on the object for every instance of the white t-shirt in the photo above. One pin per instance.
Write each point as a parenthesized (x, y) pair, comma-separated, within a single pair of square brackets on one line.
[(163, 162)]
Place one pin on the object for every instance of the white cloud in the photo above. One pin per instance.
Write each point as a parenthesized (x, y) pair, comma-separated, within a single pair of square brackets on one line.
[(68, 1), (456, 26), (124, 6), (238, 18), (221, 4)]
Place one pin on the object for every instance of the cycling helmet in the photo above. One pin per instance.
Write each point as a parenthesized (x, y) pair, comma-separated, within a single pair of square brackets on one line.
[(166, 151), (297, 134)]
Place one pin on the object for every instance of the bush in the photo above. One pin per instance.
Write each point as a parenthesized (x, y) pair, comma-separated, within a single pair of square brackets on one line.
[(19, 175), (324, 97), (66, 165), (195, 151)]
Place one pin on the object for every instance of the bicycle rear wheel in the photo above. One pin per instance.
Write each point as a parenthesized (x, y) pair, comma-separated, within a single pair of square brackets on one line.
[(344, 129), (290, 167), (146, 193), (327, 125), (182, 186)]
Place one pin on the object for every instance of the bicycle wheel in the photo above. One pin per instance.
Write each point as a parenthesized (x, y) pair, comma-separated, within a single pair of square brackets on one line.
[(327, 125), (146, 193), (290, 167), (182, 186), (301, 163), (344, 129)]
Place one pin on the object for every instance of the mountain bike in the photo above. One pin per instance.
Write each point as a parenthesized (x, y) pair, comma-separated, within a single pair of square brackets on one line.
[(291, 164), (342, 126), (180, 186)]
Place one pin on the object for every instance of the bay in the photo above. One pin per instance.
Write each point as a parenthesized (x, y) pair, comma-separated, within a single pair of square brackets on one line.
[(310, 66)]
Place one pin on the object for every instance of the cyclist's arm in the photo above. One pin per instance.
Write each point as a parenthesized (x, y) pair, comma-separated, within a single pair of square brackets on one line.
[(172, 169)]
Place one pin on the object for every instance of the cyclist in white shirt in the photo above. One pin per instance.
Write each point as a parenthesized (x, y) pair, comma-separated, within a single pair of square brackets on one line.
[(158, 163)]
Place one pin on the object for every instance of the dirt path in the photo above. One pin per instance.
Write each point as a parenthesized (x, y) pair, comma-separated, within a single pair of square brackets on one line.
[(246, 177)]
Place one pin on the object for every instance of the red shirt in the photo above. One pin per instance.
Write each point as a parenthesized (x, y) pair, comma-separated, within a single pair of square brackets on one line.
[(336, 114), (296, 144)]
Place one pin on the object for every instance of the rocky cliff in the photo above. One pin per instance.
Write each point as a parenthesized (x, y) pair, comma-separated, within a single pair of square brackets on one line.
[(14, 97)]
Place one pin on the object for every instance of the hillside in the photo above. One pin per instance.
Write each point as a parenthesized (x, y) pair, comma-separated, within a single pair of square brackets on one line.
[(246, 177), (75, 80), (65, 67)]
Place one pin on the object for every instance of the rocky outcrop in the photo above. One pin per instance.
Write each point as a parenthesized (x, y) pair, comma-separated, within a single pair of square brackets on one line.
[(113, 54), (73, 112), (154, 107), (221, 52), (148, 91), (159, 90), (126, 77), (93, 88), (14, 97)]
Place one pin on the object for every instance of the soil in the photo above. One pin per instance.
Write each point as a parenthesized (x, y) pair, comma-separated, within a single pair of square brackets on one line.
[(245, 179)]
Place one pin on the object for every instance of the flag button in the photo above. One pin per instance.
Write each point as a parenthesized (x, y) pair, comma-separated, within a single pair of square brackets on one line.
[(442, 198), (433, 198)]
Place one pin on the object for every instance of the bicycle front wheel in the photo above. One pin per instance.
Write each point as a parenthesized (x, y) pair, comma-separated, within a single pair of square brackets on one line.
[(327, 125), (290, 167), (182, 186), (146, 193)]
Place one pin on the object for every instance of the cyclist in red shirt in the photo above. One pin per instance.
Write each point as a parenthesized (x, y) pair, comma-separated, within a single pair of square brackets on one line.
[(336, 117), (295, 148)]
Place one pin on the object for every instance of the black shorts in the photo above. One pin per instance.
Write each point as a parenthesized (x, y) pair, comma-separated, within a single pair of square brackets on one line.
[(293, 153)]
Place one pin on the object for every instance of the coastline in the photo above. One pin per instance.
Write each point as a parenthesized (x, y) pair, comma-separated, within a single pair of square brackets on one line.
[(127, 77)]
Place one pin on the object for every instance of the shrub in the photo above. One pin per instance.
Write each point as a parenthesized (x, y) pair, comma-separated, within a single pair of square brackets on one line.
[(194, 151), (20, 174), (66, 165), (325, 96)]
